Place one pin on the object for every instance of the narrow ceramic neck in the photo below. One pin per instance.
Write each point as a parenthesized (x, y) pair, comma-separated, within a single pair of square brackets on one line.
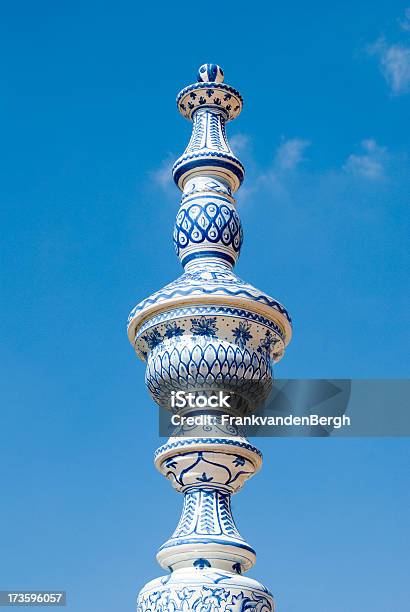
[(214, 265), (208, 153), (208, 131), (206, 535)]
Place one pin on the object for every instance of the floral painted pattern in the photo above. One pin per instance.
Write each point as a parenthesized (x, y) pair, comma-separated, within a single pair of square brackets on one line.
[(266, 344), (204, 326), (241, 602), (153, 338), (211, 599), (172, 330), (242, 334), (207, 599)]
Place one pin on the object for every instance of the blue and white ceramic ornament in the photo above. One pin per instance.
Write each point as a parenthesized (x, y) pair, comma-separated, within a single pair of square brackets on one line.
[(206, 331), (210, 73)]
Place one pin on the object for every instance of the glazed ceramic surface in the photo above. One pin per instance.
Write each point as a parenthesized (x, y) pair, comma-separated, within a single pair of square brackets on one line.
[(206, 331), (204, 590)]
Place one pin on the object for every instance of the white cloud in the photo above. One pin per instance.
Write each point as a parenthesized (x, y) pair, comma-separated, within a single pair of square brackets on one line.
[(395, 65), (288, 156), (394, 59), (369, 163), (163, 175), (239, 143), (290, 153), (284, 181), (405, 22)]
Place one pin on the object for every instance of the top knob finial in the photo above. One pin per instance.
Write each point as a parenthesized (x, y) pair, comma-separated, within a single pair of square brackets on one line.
[(210, 73), (211, 93)]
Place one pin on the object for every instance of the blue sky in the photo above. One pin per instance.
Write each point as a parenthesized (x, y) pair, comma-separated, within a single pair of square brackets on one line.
[(89, 127)]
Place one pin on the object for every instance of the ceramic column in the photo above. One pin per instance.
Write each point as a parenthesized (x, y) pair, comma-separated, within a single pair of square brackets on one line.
[(208, 331)]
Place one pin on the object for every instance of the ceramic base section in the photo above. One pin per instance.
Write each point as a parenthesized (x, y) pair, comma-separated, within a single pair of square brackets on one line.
[(204, 590)]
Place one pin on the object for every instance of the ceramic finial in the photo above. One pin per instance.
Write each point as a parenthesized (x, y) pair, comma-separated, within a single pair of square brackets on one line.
[(210, 73), (209, 104), (209, 91)]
